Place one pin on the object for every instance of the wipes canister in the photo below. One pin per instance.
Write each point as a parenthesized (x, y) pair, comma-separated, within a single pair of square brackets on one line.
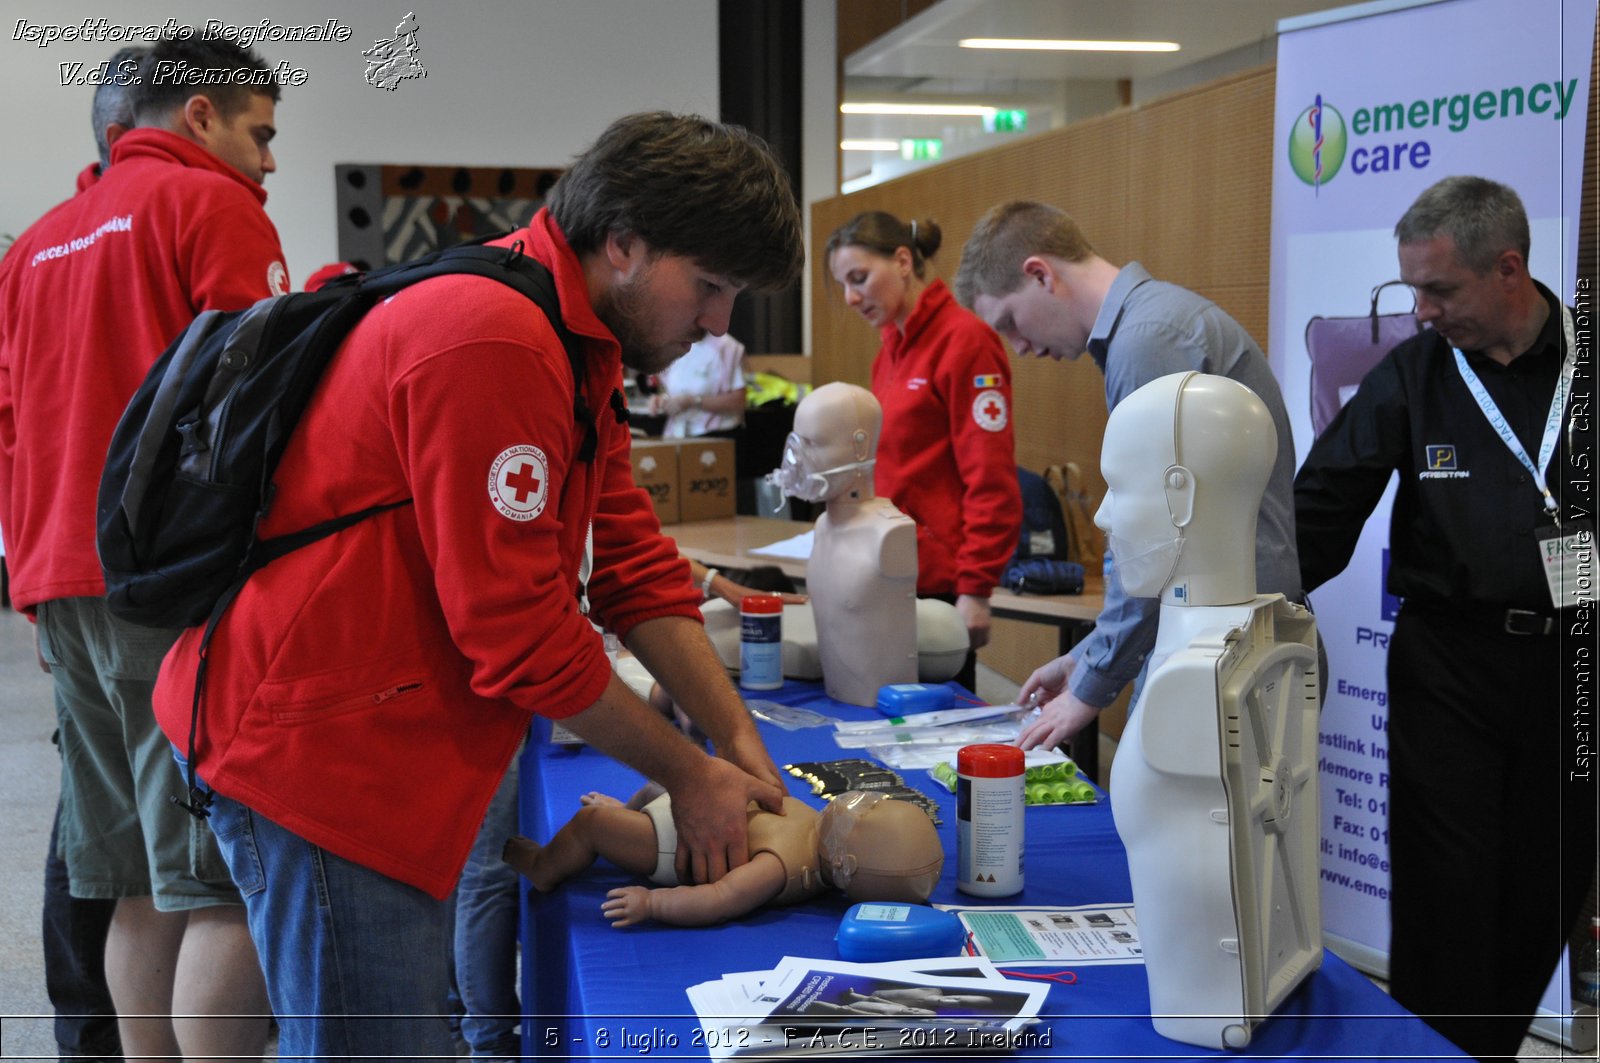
[(761, 642), (989, 810)]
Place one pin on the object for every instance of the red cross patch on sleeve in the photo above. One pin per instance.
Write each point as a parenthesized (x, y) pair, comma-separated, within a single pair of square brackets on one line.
[(519, 482), (989, 410)]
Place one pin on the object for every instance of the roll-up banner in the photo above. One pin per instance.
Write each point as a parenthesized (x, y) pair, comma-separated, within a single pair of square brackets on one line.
[(1375, 103)]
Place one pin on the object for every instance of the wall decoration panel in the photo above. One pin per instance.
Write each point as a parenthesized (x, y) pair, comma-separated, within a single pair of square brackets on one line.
[(393, 212)]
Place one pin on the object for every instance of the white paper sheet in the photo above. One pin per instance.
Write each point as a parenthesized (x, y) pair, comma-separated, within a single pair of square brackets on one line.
[(797, 548)]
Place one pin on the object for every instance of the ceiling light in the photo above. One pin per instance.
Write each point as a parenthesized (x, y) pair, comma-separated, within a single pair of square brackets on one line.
[(915, 108), (869, 145), (1030, 45)]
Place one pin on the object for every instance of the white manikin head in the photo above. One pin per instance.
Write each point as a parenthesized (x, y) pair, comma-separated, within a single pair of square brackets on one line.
[(836, 438), (1186, 458)]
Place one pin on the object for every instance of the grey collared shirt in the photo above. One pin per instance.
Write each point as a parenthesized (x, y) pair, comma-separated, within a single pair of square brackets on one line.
[(1147, 329)]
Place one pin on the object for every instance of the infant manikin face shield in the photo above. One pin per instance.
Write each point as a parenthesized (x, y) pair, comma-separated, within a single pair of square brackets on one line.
[(1145, 531), (833, 833), (797, 479), (875, 848)]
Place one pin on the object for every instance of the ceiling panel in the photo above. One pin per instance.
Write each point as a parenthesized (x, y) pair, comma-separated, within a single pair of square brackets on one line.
[(925, 46)]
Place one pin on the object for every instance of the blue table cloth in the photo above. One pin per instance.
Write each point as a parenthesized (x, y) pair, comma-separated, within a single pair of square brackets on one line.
[(594, 992)]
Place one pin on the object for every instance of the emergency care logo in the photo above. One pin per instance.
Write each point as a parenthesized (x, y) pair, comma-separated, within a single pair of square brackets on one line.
[(1440, 463), (989, 410), (277, 279), (1389, 136), (519, 482), (1317, 144)]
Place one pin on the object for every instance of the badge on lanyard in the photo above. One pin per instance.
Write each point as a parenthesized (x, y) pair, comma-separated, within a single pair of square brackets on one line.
[(1567, 551)]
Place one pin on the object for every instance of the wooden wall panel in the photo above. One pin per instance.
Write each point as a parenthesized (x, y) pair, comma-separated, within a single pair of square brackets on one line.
[(1203, 177), (1182, 184), (860, 22)]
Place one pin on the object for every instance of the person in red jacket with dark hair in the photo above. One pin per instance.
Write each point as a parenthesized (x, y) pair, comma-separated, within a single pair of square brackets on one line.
[(90, 295), (947, 456), (365, 694), (75, 928)]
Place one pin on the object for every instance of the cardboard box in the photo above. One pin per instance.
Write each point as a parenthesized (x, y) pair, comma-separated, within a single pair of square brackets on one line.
[(706, 486), (655, 468)]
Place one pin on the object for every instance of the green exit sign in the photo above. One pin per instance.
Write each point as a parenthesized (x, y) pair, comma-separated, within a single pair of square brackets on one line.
[(1006, 122), (921, 148)]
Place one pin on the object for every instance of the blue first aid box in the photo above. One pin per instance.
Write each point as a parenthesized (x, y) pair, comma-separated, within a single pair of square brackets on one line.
[(904, 699), (874, 931)]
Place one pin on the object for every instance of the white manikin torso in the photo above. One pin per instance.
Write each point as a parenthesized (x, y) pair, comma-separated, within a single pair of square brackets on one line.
[(1213, 792), (862, 579), (1213, 789)]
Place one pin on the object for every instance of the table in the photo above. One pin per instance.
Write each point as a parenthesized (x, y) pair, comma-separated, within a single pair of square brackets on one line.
[(732, 542), (591, 991)]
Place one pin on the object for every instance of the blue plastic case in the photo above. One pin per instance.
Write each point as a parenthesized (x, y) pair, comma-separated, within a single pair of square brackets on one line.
[(905, 699), (872, 931)]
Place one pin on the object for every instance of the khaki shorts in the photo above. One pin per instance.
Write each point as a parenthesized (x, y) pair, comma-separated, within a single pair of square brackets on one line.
[(120, 834)]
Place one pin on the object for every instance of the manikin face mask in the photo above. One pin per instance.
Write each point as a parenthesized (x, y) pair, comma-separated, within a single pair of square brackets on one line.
[(1145, 565), (835, 829), (795, 479)]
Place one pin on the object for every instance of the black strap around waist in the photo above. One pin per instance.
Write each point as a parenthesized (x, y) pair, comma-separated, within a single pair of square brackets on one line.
[(1509, 620)]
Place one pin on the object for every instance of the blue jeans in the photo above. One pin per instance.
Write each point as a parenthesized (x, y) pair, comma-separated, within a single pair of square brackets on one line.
[(357, 963), (486, 933)]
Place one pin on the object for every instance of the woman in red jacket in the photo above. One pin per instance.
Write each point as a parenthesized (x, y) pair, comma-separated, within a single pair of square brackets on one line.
[(947, 456)]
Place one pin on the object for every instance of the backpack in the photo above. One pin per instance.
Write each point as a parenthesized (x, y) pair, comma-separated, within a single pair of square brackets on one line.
[(189, 473), (1044, 529), (1087, 542)]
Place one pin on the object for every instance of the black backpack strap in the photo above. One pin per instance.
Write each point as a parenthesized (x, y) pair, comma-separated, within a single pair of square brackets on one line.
[(517, 271), (510, 267), (199, 803), (262, 552)]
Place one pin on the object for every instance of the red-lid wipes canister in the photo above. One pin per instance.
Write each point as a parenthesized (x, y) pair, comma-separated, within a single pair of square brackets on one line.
[(989, 807), (761, 642)]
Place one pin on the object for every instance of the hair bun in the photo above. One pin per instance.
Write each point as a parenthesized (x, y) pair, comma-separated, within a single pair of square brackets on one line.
[(927, 235)]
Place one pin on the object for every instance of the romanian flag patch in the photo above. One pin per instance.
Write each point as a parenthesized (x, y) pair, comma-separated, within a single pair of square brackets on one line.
[(992, 380)]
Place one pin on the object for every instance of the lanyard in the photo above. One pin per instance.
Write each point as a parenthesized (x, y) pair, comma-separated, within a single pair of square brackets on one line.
[(1552, 421)]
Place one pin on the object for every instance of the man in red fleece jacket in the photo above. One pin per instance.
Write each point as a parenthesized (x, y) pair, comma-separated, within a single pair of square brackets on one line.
[(364, 695), (75, 928), (89, 297)]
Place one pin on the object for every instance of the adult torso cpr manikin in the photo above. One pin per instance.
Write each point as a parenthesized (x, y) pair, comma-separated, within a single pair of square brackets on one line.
[(862, 576), (1213, 789)]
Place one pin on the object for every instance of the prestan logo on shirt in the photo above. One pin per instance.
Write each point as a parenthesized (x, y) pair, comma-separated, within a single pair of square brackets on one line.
[(1441, 463)]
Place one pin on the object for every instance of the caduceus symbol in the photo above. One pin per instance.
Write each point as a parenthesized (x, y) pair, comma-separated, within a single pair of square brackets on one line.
[(1316, 145)]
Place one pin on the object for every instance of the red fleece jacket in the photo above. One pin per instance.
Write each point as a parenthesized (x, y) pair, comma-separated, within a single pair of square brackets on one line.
[(947, 456), (90, 296), (368, 691)]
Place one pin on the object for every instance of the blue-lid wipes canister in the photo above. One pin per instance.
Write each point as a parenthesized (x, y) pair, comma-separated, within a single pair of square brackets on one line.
[(761, 642), (989, 810)]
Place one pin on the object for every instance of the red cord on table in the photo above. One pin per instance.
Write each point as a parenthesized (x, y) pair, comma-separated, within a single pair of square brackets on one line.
[(1063, 977)]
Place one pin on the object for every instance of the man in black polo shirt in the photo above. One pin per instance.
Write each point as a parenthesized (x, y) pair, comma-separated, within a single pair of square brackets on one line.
[(1491, 822)]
